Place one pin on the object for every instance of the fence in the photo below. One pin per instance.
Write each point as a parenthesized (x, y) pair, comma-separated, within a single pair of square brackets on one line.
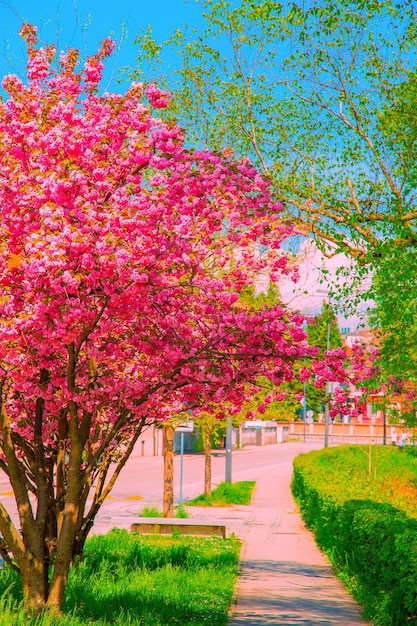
[(346, 433)]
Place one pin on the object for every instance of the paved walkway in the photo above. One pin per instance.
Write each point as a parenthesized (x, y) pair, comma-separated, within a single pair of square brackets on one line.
[(285, 580)]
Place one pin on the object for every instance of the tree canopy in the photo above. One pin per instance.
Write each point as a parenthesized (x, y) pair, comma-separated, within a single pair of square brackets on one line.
[(123, 257), (319, 95)]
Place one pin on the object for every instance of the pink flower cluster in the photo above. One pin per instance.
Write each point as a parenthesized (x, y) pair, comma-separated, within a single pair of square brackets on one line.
[(123, 256), (157, 98)]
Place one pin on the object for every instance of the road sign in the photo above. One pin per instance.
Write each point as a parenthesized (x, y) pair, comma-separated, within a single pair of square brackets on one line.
[(185, 427)]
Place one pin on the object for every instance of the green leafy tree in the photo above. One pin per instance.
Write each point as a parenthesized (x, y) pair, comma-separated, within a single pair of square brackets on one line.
[(321, 96), (323, 332), (395, 313), (394, 281), (211, 428), (305, 91)]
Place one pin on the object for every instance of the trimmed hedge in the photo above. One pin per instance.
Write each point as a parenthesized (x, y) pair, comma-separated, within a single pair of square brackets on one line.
[(369, 532)]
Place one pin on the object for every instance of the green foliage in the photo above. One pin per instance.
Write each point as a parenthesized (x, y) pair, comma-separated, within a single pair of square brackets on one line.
[(181, 512), (395, 312), (367, 524), (135, 580), (226, 494), (321, 97), (324, 329), (153, 511), (256, 300), (215, 426), (285, 410)]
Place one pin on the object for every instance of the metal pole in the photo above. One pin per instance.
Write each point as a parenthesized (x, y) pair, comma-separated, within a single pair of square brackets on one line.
[(228, 477), (305, 409), (181, 464), (326, 424), (326, 409)]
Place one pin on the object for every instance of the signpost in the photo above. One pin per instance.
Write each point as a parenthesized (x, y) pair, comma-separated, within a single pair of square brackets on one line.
[(228, 442), (185, 427)]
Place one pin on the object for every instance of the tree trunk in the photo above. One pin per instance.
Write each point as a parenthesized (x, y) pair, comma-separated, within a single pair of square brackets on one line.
[(64, 556), (168, 471), (34, 575), (207, 461), (70, 516)]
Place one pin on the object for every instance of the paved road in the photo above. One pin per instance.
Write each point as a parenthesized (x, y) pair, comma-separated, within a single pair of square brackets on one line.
[(141, 481)]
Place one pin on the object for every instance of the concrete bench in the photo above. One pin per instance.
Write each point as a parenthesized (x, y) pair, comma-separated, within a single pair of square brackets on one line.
[(184, 526)]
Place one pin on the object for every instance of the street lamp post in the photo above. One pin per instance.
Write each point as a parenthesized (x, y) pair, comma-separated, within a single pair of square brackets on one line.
[(326, 406), (228, 442), (305, 409)]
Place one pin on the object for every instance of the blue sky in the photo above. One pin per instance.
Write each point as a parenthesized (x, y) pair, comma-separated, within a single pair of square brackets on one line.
[(83, 23)]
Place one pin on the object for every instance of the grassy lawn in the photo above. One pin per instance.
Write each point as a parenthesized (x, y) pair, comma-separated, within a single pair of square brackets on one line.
[(226, 494), (132, 580)]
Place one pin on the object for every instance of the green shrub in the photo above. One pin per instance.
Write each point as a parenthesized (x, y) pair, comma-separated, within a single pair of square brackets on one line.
[(368, 530)]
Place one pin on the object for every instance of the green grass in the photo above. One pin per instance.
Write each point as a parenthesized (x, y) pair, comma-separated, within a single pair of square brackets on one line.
[(383, 474), (136, 580), (226, 494), (153, 511)]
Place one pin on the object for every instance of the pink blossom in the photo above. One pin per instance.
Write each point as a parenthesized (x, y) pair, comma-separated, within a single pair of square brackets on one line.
[(157, 98), (305, 374), (281, 396)]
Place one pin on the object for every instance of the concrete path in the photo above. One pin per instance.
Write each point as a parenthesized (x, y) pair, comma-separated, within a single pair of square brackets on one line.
[(285, 580)]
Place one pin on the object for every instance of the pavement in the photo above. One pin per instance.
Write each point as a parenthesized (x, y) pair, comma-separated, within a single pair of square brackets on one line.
[(284, 578)]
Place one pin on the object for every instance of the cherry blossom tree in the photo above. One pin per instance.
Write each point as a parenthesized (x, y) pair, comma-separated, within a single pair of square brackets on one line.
[(123, 256)]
